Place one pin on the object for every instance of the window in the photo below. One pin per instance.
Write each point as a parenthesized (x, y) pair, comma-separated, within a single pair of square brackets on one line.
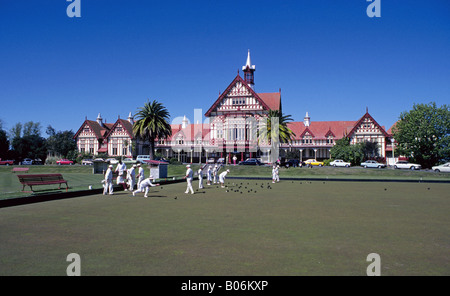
[(330, 140), (239, 101)]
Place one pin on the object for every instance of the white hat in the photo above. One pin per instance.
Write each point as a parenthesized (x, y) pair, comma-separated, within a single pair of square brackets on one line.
[(188, 166), (110, 166), (228, 170)]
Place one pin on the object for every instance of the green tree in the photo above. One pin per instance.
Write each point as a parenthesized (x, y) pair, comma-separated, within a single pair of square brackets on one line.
[(60, 143), (423, 134), (4, 144), (26, 141), (283, 133), (347, 152), (152, 123)]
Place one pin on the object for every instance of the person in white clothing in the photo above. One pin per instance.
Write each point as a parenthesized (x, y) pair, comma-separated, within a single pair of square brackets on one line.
[(144, 186), (277, 173), (189, 177), (140, 175), (108, 181), (274, 173), (222, 178), (209, 175), (215, 171), (121, 170), (131, 177), (200, 178)]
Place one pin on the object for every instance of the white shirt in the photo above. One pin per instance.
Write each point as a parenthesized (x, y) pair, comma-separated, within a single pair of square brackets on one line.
[(141, 172), (121, 167), (222, 175), (147, 182), (189, 173), (108, 175)]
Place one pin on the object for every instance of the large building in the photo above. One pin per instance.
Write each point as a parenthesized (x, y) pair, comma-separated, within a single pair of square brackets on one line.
[(236, 117)]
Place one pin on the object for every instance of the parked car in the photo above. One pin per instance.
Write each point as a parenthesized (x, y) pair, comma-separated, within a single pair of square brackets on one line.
[(442, 168), (87, 162), (372, 164), (340, 163), (99, 159), (129, 161), (142, 158), (312, 162), (250, 161), (403, 164), (290, 163), (64, 161), (27, 161), (112, 161), (37, 161), (6, 162)]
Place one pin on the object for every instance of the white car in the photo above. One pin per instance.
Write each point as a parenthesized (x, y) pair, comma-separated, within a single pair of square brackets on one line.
[(112, 161), (403, 164), (340, 163), (27, 161), (442, 168)]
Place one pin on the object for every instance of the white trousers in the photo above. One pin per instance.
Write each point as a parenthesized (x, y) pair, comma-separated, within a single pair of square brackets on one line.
[(142, 189), (189, 186), (108, 186)]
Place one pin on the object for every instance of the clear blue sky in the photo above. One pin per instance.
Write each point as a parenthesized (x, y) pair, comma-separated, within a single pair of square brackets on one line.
[(327, 56)]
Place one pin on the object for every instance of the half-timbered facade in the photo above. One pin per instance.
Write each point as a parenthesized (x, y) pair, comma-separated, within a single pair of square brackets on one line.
[(114, 139), (235, 119)]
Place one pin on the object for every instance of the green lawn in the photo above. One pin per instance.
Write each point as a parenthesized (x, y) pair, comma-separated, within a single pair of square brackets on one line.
[(288, 228), (81, 177)]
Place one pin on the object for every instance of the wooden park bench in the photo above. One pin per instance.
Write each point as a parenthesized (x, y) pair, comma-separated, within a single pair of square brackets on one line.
[(41, 179), (20, 170)]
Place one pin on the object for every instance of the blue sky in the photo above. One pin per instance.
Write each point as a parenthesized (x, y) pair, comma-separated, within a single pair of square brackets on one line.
[(327, 56)]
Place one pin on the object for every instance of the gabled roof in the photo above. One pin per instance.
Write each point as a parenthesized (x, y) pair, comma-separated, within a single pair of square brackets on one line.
[(391, 129), (359, 122), (321, 129), (270, 101), (96, 128), (127, 126)]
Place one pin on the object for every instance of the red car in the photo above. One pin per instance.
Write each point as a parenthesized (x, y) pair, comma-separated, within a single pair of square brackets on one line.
[(6, 162), (64, 161)]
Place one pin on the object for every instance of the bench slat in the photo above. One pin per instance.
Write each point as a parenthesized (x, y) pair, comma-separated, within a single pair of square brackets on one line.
[(41, 179)]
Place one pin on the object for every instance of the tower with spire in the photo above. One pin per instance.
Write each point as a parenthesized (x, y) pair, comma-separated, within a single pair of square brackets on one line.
[(249, 72)]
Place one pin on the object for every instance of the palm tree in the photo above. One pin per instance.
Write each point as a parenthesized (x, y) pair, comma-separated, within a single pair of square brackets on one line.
[(284, 133), (152, 123)]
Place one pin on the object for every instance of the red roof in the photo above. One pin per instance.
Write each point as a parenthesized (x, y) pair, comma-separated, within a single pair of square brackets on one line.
[(272, 100), (359, 122), (321, 129), (96, 128), (191, 132), (126, 125)]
